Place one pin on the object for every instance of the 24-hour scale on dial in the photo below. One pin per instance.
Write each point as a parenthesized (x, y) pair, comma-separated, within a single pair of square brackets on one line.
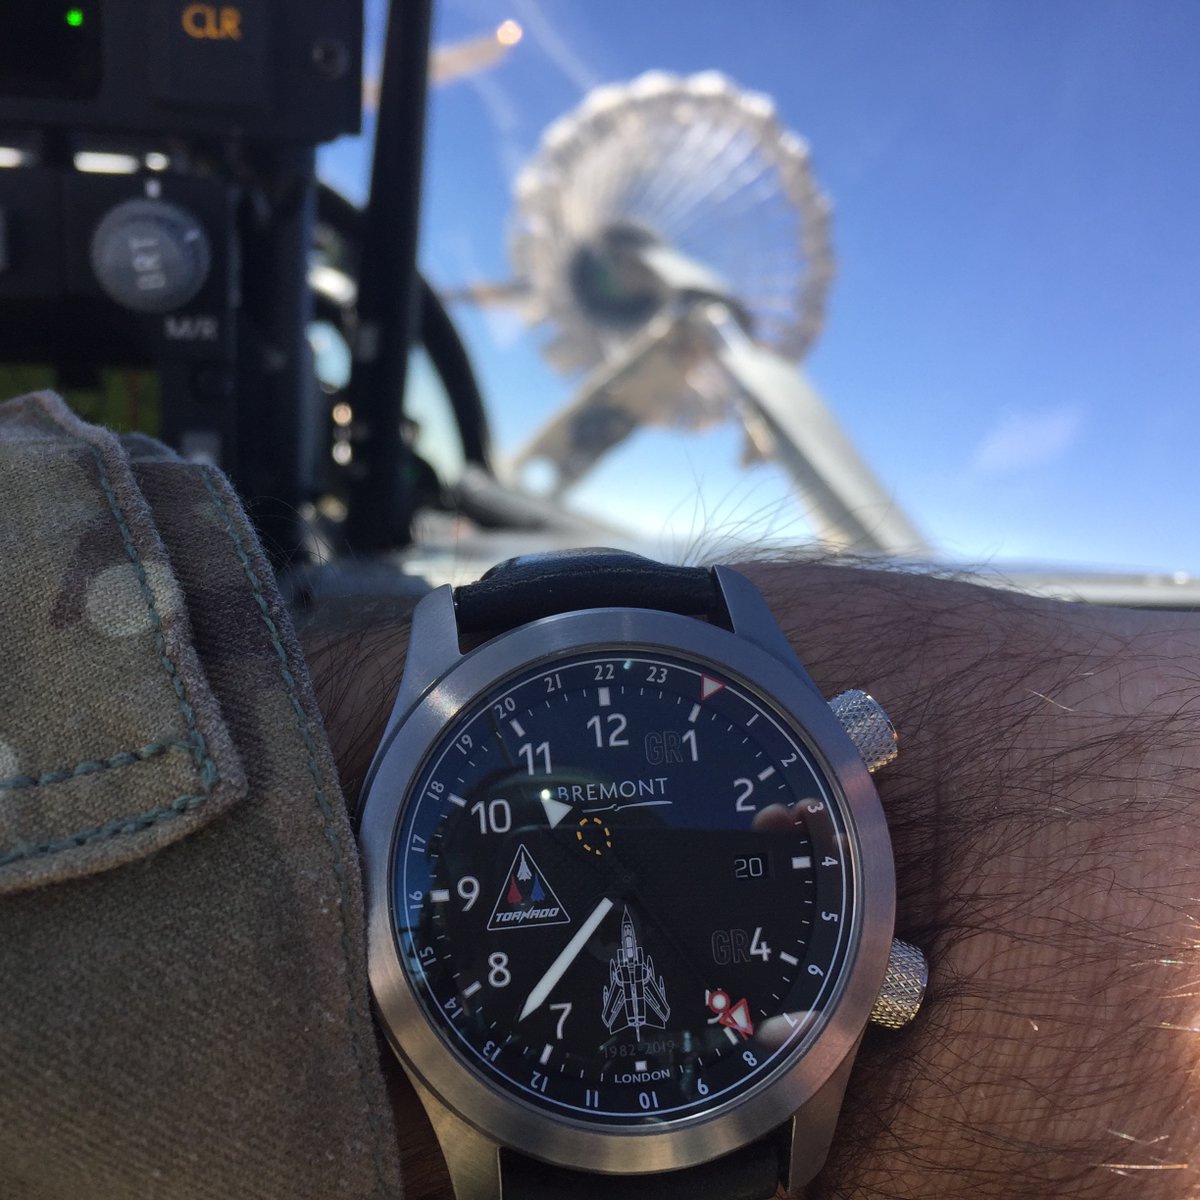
[(622, 886)]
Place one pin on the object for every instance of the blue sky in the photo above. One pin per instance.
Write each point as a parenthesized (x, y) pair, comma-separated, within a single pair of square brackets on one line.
[(1013, 337)]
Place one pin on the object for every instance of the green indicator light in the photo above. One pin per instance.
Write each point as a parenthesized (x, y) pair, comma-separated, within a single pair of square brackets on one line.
[(75, 17)]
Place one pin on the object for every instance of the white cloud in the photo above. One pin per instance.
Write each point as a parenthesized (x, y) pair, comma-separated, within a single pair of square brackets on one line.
[(1017, 441)]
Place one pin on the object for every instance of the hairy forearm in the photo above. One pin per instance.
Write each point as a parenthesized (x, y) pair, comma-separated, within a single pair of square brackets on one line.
[(1045, 820), (1044, 815), (355, 653)]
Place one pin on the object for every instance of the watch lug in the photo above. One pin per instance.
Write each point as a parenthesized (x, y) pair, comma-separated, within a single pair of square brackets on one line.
[(432, 649), (472, 1160), (751, 618), (810, 1131)]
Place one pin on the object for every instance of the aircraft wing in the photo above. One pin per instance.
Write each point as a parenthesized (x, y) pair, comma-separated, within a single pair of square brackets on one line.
[(642, 383), (614, 1001), (848, 504)]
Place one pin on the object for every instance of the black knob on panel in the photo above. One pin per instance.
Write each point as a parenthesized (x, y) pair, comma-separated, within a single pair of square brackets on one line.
[(150, 255)]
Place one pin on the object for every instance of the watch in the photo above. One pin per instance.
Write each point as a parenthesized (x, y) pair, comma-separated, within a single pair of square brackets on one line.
[(630, 888)]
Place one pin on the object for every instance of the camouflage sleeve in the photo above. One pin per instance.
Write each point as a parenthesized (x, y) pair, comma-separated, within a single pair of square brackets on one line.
[(184, 1005)]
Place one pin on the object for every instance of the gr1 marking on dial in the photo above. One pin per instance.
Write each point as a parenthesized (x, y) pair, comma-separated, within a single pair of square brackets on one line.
[(597, 851)]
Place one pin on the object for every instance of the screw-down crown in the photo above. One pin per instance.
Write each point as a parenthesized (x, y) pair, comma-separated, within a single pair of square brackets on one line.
[(863, 718), (903, 986)]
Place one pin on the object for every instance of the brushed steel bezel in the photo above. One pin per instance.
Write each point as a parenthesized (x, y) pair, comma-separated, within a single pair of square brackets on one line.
[(595, 1146)]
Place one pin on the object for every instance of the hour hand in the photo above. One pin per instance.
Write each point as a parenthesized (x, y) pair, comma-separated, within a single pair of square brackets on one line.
[(568, 954)]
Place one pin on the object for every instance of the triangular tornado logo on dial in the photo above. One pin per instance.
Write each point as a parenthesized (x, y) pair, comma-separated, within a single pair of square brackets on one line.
[(526, 897)]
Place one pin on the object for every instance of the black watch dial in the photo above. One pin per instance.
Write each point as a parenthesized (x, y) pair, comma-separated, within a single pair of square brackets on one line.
[(623, 887)]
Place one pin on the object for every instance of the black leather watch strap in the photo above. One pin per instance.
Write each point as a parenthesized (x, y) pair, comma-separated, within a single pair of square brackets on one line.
[(751, 1173), (542, 585)]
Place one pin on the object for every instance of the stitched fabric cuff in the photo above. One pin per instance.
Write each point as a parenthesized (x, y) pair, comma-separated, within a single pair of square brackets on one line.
[(183, 1016), (111, 744)]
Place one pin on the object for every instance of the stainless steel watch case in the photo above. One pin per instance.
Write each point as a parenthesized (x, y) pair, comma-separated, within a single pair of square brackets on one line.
[(440, 682)]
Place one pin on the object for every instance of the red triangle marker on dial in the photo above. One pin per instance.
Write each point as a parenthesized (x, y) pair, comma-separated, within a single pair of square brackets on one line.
[(709, 686), (738, 1018)]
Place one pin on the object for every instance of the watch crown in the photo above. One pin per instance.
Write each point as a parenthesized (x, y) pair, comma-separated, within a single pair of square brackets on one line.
[(863, 718), (903, 986)]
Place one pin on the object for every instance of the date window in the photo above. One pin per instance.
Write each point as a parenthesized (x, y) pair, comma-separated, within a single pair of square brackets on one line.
[(753, 866)]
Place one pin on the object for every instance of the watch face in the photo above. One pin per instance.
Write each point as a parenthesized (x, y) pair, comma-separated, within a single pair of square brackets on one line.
[(623, 888)]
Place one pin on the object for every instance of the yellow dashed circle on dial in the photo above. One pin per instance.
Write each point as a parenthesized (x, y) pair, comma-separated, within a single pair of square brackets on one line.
[(593, 835)]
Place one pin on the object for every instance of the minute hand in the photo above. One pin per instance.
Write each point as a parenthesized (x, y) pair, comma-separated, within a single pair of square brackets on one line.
[(567, 956)]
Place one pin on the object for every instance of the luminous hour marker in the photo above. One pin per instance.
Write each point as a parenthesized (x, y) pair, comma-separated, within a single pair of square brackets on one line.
[(439, 895), (694, 713), (471, 989), (604, 696), (790, 959), (457, 800), (733, 1037), (545, 1055), (516, 728), (709, 687), (766, 774), (801, 863)]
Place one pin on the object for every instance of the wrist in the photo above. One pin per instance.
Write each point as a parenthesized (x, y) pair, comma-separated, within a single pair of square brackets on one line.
[(356, 662), (1044, 816), (1044, 820)]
